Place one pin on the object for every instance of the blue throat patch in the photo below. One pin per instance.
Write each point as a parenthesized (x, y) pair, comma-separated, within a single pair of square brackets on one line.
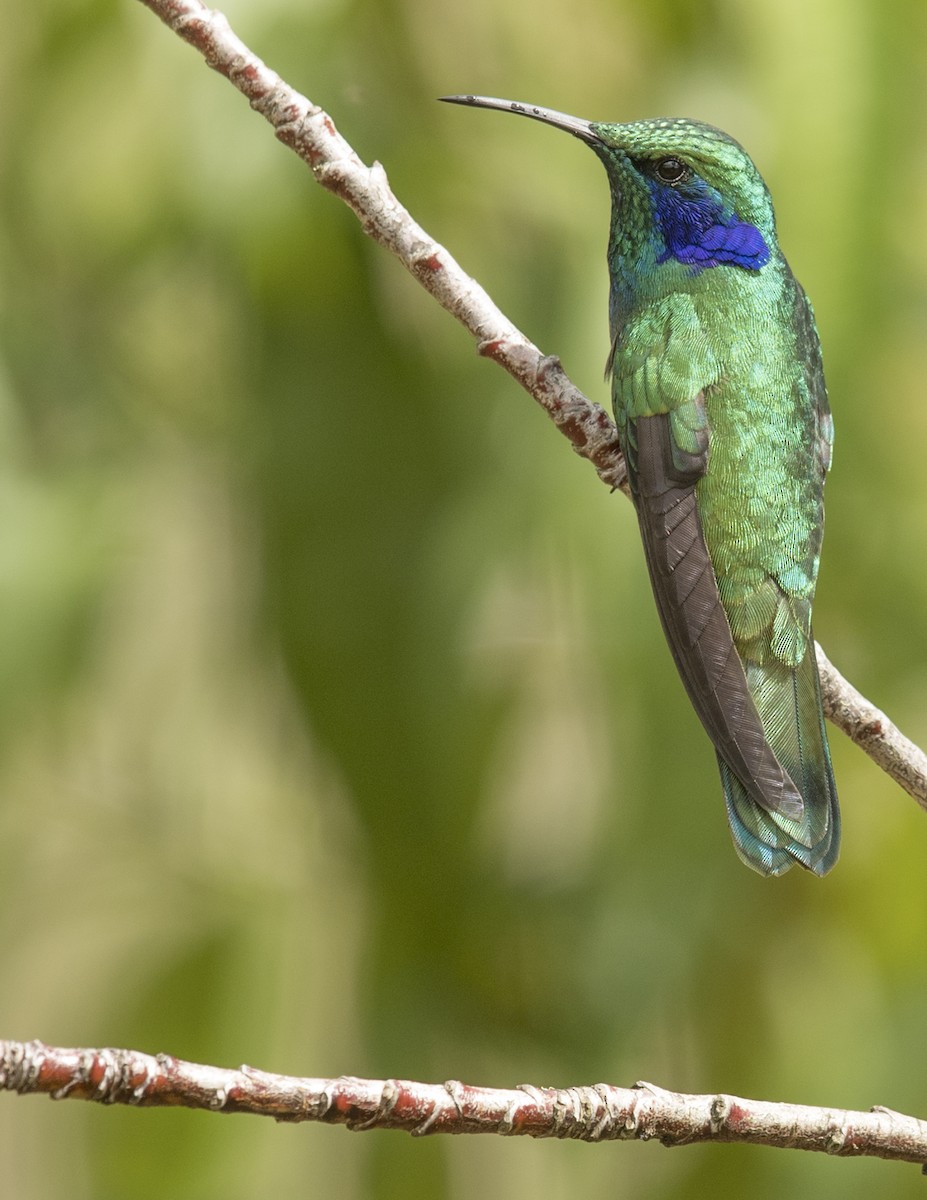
[(700, 230)]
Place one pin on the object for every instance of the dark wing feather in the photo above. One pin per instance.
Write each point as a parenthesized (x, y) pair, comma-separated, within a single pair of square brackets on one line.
[(693, 618)]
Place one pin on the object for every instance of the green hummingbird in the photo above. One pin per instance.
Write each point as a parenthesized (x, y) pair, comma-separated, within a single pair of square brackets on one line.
[(722, 413)]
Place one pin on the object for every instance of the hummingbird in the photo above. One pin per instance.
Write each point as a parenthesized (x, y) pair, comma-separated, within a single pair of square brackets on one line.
[(722, 414)]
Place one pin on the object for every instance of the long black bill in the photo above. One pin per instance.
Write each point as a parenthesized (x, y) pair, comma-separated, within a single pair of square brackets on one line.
[(576, 126)]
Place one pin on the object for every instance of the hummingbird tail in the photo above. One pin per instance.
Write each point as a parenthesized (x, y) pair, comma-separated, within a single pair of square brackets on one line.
[(789, 704)]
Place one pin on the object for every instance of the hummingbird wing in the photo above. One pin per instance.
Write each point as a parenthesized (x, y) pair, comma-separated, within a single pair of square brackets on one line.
[(663, 476), (770, 620)]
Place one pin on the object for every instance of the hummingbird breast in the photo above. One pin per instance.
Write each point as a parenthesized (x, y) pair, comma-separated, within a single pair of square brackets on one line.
[(760, 500)]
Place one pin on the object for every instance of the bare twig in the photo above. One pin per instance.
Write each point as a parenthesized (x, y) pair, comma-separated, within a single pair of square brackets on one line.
[(872, 731), (305, 128), (595, 1113)]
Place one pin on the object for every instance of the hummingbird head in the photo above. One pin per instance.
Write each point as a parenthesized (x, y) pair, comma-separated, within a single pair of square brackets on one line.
[(683, 193), (695, 187)]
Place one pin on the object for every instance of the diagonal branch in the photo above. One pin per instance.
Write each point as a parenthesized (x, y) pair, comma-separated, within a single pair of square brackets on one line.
[(593, 1113), (311, 133)]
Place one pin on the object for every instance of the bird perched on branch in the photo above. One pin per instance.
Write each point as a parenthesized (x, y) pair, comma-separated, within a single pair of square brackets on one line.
[(722, 412)]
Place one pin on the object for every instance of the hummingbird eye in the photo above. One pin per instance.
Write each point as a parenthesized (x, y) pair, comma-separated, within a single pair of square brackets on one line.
[(671, 170)]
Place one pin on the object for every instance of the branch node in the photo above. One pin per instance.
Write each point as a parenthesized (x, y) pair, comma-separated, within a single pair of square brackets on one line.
[(428, 1123), (20, 1066), (837, 1137), (660, 1093), (115, 1076), (454, 1089), (506, 1123), (719, 1112), (550, 365), (632, 1122), (389, 1096), (323, 1102), (563, 1107), (610, 1112), (589, 1113)]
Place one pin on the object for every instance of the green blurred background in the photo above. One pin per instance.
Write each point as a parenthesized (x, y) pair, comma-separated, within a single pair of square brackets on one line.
[(338, 731)]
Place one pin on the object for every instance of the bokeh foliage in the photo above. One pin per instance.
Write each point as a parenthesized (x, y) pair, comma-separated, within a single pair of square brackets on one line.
[(338, 732)]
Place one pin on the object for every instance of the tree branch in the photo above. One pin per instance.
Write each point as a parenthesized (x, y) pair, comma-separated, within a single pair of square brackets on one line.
[(311, 133), (596, 1113), (872, 731)]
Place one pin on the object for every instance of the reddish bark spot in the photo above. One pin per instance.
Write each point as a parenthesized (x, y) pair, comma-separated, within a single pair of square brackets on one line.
[(432, 263), (329, 126), (735, 1115), (491, 348), (336, 183), (574, 431)]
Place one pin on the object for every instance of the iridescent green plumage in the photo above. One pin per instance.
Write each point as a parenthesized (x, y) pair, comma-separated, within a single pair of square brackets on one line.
[(722, 413)]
